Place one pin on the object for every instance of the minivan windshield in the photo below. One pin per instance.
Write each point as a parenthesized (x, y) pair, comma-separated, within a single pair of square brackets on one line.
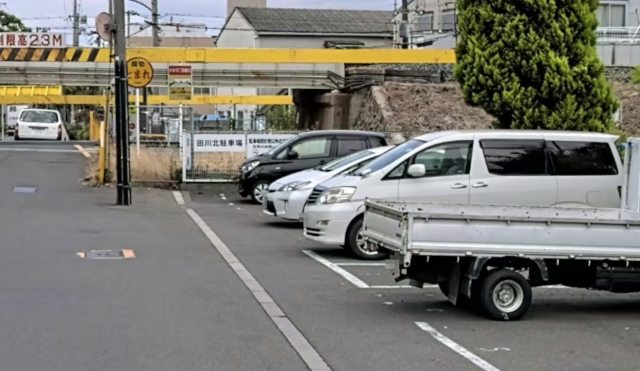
[(45, 117), (390, 156), (344, 161)]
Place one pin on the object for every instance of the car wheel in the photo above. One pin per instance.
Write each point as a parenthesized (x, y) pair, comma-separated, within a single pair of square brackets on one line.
[(505, 295), (259, 191), (356, 244)]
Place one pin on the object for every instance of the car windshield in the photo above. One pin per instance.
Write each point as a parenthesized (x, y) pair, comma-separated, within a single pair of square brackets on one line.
[(284, 144), (390, 156), (344, 161), (45, 117)]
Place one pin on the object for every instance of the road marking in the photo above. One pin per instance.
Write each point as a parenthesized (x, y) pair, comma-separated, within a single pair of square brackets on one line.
[(484, 365), (349, 264), (128, 254), (346, 275), (178, 196), (300, 344), (82, 150)]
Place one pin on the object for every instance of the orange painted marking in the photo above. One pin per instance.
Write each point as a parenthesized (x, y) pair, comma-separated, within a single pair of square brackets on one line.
[(82, 255), (128, 254)]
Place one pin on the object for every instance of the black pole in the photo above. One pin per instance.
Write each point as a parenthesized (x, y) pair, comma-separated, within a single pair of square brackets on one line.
[(118, 116), (122, 134), (405, 21)]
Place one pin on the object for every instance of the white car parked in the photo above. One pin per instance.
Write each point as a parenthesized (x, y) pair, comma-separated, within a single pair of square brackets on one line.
[(38, 124), (496, 167), (287, 196)]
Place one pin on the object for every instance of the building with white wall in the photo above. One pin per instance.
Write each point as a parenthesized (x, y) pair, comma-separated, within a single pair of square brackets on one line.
[(251, 27)]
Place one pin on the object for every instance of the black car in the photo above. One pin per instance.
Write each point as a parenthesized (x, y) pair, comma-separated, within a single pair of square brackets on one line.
[(304, 151)]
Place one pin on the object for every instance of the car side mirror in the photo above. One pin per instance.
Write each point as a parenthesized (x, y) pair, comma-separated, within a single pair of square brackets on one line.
[(292, 155), (417, 171)]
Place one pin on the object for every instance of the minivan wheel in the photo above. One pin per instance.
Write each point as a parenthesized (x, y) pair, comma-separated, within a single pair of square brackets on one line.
[(356, 244), (259, 191)]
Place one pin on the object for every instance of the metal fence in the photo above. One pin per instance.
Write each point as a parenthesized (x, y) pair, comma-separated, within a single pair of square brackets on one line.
[(205, 156), (216, 156)]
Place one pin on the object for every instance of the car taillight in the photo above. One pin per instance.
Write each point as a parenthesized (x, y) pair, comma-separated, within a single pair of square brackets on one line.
[(59, 128)]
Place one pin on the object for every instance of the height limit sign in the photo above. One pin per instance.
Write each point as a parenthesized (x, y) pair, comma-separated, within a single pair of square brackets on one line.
[(180, 83)]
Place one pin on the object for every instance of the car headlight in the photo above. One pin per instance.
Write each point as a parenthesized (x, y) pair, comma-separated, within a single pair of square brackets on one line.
[(336, 195), (292, 186), (250, 166)]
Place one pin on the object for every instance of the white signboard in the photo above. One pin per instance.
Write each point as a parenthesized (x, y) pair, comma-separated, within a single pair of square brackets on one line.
[(219, 143), (261, 143), (32, 40)]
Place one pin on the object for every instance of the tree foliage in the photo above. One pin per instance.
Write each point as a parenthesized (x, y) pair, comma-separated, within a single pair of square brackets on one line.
[(9, 22), (533, 63), (281, 117)]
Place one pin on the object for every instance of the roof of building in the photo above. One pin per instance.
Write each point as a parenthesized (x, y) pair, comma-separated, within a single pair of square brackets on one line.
[(325, 21)]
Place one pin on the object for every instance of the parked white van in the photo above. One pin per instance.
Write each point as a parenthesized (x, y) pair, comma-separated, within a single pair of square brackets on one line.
[(38, 124), (528, 168)]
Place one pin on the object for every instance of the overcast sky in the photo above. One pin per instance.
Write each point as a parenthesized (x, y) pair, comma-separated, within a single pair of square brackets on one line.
[(52, 13)]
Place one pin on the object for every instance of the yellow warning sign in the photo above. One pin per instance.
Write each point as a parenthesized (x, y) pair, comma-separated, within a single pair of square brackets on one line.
[(180, 86), (139, 72)]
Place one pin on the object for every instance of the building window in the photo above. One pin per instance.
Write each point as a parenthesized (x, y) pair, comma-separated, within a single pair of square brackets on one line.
[(448, 21), (424, 23), (201, 91), (611, 15)]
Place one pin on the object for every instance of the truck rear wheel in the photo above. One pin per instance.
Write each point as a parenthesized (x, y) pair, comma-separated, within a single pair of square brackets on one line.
[(505, 295)]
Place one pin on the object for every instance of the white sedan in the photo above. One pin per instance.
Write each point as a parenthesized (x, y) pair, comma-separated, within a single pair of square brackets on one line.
[(38, 124), (287, 196)]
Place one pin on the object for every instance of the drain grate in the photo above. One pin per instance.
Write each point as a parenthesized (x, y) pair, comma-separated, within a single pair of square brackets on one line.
[(24, 189)]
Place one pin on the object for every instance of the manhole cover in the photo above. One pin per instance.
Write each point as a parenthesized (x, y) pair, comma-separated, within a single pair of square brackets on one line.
[(106, 254), (24, 189)]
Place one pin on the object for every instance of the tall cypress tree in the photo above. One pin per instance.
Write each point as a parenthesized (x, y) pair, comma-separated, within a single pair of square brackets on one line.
[(533, 64)]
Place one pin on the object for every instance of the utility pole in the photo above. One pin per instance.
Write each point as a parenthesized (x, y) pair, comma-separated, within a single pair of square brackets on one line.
[(404, 9), (76, 24), (154, 20), (123, 169)]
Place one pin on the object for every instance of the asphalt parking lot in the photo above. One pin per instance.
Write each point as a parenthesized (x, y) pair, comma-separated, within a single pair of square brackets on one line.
[(357, 318)]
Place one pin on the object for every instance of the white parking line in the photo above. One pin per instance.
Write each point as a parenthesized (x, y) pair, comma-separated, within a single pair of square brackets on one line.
[(300, 344), (484, 365), (349, 264), (346, 275)]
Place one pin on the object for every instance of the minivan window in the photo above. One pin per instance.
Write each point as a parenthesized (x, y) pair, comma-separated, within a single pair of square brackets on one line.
[(446, 159), (390, 156), (344, 161), (314, 147), (45, 117), (375, 142), (348, 146), (283, 145), (515, 157), (582, 158)]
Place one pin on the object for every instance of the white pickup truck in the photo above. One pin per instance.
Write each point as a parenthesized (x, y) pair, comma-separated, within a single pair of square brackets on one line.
[(489, 257)]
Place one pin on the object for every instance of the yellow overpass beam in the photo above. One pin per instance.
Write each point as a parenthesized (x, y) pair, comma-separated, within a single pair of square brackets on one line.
[(15, 91), (219, 55), (151, 99)]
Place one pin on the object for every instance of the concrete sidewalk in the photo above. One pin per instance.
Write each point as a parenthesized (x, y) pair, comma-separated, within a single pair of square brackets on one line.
[(175, 306)]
